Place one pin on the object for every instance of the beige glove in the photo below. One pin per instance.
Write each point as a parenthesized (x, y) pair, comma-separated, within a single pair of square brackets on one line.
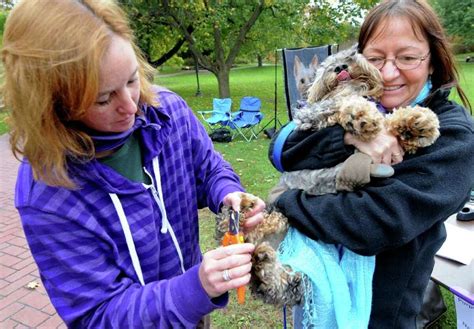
[(357, 170)]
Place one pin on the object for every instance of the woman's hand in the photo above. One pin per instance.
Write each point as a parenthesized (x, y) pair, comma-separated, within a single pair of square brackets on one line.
[(252, 217), (226, 268), (384, 148)]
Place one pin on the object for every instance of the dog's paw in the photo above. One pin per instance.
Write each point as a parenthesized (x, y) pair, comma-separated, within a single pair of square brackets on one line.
[(273, 282), (415, 127), (263, 262), (248, 201), (315, 116), (360, 117)]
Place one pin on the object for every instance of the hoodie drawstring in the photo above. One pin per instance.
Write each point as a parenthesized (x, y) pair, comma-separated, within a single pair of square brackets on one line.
[(128, 237), (158, 196), (165, 227)]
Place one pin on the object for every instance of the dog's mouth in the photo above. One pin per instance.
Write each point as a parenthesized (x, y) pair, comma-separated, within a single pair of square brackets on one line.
[(343, 76)]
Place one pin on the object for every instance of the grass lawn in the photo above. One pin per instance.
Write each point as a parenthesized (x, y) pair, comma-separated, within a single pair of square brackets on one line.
[(251, 163)]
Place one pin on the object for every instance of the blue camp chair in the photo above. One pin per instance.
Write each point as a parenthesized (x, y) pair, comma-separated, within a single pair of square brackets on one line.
[(219, 115), (247, 119)]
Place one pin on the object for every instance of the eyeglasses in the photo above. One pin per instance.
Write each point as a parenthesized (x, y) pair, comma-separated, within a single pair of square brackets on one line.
[(403, 63)]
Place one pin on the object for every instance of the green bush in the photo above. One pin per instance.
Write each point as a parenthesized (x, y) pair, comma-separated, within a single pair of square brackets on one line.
[(3, 18)]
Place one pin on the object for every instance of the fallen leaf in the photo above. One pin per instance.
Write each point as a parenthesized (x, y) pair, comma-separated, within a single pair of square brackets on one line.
[(32, 285)]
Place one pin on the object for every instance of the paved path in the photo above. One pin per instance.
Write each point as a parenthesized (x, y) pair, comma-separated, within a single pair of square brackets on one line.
[(20, 307)]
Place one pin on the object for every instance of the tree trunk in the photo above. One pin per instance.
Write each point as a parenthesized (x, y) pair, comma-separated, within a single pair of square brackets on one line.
[(223, 82), (259, 60)]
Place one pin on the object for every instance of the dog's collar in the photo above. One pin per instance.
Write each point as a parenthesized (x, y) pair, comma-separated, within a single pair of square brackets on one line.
[(379, 106)]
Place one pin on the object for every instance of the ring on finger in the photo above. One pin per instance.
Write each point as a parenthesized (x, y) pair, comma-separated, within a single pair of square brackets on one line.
[(396, 155), (226, 275)]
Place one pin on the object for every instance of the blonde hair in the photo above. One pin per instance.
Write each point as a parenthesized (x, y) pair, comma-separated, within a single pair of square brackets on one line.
[(51, 53)]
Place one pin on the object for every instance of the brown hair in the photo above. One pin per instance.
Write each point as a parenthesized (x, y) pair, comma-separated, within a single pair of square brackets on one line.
[(423, 20), (51, 53)]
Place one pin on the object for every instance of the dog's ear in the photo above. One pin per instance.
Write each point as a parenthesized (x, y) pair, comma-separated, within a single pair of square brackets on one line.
[(314, 63), (354, 50), (356, 46), (297, 66)]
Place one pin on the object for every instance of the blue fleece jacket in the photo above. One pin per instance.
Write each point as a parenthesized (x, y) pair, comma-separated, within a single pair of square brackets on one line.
[(79, 244)]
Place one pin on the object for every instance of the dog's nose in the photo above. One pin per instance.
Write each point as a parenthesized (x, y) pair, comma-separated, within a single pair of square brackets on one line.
[(340, 68)]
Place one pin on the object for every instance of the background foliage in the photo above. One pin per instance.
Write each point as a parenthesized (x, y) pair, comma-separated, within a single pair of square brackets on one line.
[(3, 18), (216, 33), (458, 20)]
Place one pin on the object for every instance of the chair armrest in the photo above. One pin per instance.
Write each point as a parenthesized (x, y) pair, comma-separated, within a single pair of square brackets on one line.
[(204, 112)]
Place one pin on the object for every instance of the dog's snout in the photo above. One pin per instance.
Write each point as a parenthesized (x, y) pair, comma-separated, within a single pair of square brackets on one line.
[(340, 68), (406, 135)]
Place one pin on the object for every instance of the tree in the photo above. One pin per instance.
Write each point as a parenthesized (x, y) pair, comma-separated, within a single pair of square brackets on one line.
[(276, 28), (458, 19), (329, 22), (306, 23), (3, 18), (216, 32), (221, 27), (6, 4), (157, 39)]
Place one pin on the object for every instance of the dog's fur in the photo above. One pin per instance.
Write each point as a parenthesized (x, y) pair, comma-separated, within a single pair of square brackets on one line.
[(334, 98), (272, 282)]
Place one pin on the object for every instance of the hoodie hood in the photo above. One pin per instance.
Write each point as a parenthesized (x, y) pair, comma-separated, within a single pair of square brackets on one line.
[(153, 133)]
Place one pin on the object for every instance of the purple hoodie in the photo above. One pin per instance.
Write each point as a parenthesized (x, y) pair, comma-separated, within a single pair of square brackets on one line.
[(109, 255)]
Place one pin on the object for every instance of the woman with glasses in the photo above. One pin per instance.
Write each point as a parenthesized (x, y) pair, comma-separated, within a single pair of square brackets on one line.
[(397, 219)]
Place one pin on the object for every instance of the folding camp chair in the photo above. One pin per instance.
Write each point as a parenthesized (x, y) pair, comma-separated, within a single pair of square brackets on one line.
[(299, 67), (247, 119), (219, 115)]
